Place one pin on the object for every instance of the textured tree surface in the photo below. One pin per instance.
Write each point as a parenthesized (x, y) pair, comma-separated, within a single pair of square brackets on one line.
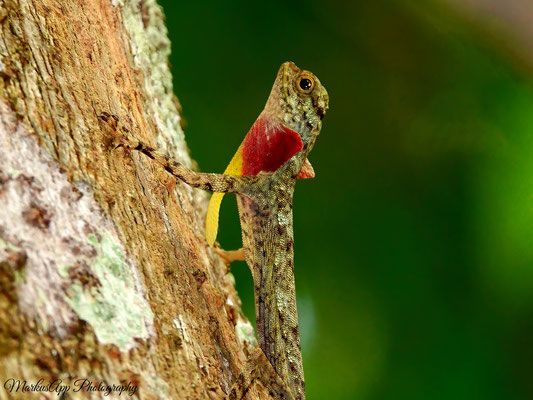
[(104, 270)]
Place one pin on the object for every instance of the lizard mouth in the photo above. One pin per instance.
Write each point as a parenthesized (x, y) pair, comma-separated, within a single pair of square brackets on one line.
[(320, 112), (319, 107)]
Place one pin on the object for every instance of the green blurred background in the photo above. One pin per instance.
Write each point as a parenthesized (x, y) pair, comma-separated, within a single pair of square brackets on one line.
[(414, 256)]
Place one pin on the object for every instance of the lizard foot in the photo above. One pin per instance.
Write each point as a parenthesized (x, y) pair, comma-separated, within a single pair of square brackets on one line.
[(230, 256)]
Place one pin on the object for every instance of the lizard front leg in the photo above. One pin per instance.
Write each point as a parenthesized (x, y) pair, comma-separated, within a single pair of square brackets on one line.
[(207, 181)]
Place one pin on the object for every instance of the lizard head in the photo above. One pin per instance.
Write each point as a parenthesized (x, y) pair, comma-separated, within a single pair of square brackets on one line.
[(299, 101)]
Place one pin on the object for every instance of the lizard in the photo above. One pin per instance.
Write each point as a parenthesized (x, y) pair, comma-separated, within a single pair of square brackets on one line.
[(263, 174)]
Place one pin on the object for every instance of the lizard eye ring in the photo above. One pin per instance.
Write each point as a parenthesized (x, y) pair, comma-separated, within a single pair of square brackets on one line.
[(305, 84)]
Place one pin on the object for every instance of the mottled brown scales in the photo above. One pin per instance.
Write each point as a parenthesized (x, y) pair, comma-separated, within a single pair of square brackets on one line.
[(265, 211)]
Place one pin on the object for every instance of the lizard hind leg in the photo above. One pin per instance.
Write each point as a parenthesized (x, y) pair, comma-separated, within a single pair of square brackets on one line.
[(232, 255)]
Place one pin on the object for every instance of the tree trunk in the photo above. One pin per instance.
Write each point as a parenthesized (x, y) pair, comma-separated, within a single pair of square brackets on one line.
[(104, 271)]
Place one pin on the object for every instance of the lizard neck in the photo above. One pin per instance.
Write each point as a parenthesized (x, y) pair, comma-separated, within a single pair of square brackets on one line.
[(288, 172)]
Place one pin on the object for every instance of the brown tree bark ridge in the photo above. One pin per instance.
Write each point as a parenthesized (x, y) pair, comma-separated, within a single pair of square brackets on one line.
[(104, 270)]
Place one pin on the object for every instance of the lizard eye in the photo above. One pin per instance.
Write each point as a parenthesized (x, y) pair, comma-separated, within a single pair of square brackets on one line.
[(305, 84)]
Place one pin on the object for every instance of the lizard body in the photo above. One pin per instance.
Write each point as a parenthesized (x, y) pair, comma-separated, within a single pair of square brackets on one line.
[(263, 174)]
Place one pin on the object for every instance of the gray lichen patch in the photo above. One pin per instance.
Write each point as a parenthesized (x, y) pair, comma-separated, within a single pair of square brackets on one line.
[(115, 309), (245, 332), (55, 225)]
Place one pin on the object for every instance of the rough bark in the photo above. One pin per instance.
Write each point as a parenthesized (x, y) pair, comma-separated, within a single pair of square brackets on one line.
[(104, 270)]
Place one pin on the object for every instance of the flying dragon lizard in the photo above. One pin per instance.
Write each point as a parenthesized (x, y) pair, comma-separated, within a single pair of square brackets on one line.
[(263, 173)]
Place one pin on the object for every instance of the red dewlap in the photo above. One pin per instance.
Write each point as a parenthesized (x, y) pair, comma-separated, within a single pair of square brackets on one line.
[(268, 146)]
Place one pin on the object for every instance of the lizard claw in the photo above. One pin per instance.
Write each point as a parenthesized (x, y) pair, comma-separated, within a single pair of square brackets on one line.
[(118, 134)]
